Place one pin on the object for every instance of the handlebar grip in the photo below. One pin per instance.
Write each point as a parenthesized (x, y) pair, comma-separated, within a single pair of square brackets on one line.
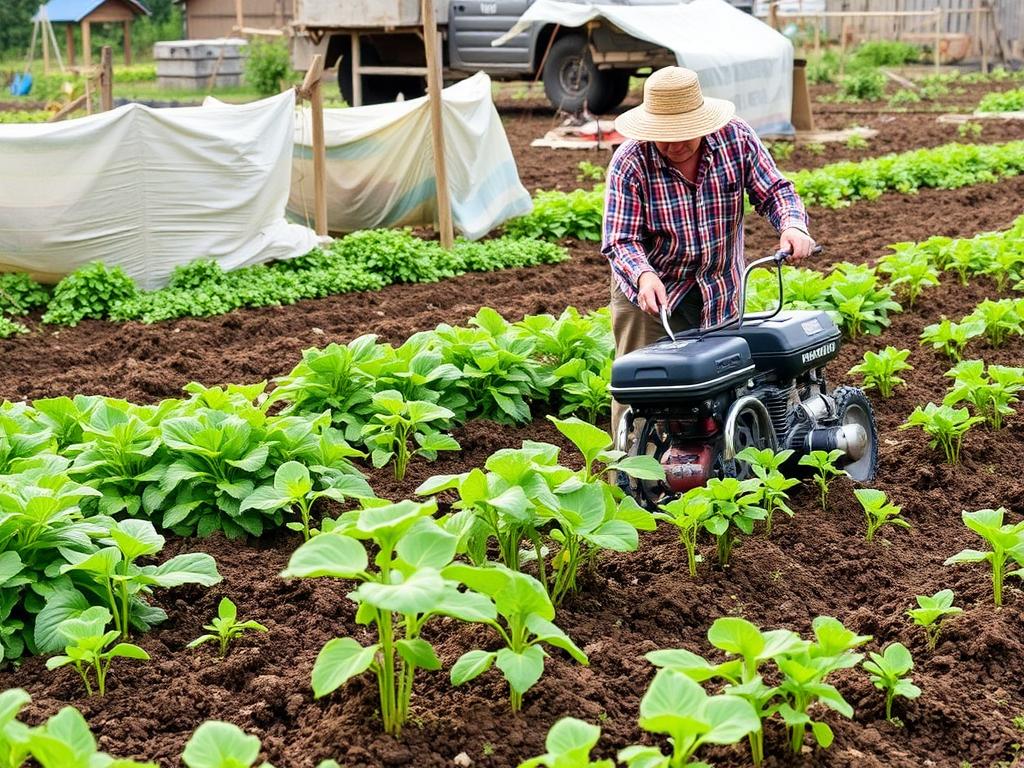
[(781, 256)]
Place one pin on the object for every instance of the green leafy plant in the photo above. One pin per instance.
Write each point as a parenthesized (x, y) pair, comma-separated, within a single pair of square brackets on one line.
[(931, 612), (226, 627), (267, 65), (396, 420), (92, 649), (781, 150), (825, 471), (732, 507), (1002, 101), (216, 744), (588, 171), (20, 294), (524, 622), (879, 511), (1006, 542), (766, 465), (910, 270), (584, 390), (88, 293), (65, 741), (9, 328), (880, 369), (568, 744), (969, 130), (990, 392), (944, 425), (856, 142), (862, 305), (862, 85), (999, 319), (687, 513), (904, 96), (562, 214), (884, 53), (888, 671), (951, 338)]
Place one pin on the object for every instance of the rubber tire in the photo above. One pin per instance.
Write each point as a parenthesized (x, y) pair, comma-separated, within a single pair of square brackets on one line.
[(570, 57), (845, 397), (618, 90), (377, 89)]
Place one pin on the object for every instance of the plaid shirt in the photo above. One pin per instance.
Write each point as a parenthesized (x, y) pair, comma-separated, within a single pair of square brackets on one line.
[(692, 234)]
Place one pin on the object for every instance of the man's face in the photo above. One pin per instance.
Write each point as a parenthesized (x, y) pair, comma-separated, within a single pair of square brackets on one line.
[(679, 151)]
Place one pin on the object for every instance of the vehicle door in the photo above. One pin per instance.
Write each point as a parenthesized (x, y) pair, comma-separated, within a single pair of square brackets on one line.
[(473, 24)]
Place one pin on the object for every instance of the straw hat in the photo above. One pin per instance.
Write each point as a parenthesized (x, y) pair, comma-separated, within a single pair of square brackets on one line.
[(674, 109)]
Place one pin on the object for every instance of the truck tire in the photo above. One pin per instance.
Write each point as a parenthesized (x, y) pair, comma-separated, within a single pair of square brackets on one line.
[(377, 89), (618, 88), (571, 79)]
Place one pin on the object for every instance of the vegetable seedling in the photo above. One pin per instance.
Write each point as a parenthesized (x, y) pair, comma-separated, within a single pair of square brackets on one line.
[(1006, 542), (879, 511), (951, 338), (945, 425), (825, 471), (91, 649), (990, 392), (931, 613), (687, 513), (216, 744), (226, 627), (732, 506), (766, 465), (888, 671), (395, 421), (568, 745), (880, 369)]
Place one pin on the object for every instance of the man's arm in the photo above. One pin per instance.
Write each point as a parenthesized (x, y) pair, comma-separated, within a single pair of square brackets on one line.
[(622, 241)]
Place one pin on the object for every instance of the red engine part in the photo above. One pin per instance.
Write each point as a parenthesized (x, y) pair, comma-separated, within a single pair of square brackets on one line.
[(687, 466)]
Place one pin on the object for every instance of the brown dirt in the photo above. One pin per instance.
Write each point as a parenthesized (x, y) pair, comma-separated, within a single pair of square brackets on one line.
[(814, 564)]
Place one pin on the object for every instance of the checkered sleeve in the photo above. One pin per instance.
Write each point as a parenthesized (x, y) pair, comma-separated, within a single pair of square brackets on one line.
[(622, 241), (772, 194)]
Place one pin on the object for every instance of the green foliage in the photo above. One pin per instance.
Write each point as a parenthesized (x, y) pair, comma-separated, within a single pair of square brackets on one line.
[(823, 69), (880, 369), (862, 85), (733, 506), (909, 269), (562, 214), (969, 130), (765, 464), (861, 305), (884, 53), (1002, 101), (781, 151), (1006, 546), (217, 744), (990, 392), (588, 171), (396, 420), (687, 513), (932, 611), (20, 294), (9, 328), (568, 744), (91, 649), (888, 671), (267, 65), (879, 511), (951, 338), (944, 425), (904, 96), (856, 141), (88, 293), (825, 471), (585, 391), (226, 627), (999, 318)]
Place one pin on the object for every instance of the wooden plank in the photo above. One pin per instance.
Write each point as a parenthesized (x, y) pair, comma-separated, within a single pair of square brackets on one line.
[(68, 108), (312, 89), (128, 43), (106, 79), (69, 42), (432, 47), (357, 72), (86, 43)]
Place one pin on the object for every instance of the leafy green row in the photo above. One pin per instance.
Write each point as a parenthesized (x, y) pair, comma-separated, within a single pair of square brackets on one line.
[(1002, 101), (362, 261), (579, 213)]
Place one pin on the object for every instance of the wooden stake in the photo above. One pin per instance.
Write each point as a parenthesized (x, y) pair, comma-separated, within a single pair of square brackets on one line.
[(239, 18), (87, 43), (127, 43), (312, 89), (432, 46), (106, 79), (69, 41), (357, 73), (46, 47), (938, 35)]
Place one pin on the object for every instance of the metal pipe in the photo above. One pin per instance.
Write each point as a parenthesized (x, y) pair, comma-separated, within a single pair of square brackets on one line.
[(759, 410)]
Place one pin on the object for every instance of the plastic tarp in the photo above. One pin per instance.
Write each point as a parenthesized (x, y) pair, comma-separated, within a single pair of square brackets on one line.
[(149, 189), (736, 56), (380, 164)]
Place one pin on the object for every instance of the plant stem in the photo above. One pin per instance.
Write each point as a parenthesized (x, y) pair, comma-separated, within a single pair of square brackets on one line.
[(997, 578), (889, 695), (387, 675), (756, 739)]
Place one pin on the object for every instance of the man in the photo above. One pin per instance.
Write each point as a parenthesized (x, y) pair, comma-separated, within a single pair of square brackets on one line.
[(673, 221)]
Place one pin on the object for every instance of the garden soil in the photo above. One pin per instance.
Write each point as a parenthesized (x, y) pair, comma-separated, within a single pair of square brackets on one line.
[(816, 563)]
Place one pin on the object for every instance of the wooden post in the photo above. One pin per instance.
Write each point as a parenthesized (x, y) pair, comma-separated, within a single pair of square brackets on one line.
[(773, 15), (86, 44), (432, 46), (357, 73), (817, 35), (982, 36), (106, 79), (69, 41), (127, 43), (311, 89), (239, 18), (46, 45), (842, 46), (938, 35)]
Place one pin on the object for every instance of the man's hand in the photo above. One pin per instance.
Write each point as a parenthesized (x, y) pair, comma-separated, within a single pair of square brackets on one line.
[(651, 293), (795, 242)]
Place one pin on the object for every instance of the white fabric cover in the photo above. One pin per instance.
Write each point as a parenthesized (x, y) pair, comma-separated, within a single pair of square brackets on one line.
[(736, 56), (149, 189), (380, 164)]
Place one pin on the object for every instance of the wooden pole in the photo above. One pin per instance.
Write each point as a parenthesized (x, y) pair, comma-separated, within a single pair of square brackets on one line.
[(817, 36), (68, 108), (312, 89), (982, 37), (842, 46), (46, 45), (357, 73), (69, 42), (938, 35), (432, 46), (239, 18), (86, 43), (127, 43), (106, 79)]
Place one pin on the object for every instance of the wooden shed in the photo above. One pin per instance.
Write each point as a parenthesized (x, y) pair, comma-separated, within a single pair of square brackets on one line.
[(207, 19), (88, 12)]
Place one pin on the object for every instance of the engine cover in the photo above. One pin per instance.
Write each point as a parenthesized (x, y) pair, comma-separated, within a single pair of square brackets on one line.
[(670, 371), (792, 342)]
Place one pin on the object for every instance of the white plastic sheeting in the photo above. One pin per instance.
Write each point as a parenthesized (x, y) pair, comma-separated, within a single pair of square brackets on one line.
[(736, 56), (380, 164), (149, 189)]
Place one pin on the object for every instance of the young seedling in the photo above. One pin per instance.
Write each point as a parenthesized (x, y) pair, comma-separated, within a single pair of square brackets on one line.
[(880, 369), (991, 393), (932, 612), (91, 649), (395, 421), (524, 622), (1006, 542), (293, 488), (568, 745), (216, 744), (65, 741), (766, 463), (945, 425), (687, 513), (909, 270), (732, 506), (879, 511), (888, 671), (951, 338), (226, 627), (825, 471), (999, 319), (584, 389), (680, 708)]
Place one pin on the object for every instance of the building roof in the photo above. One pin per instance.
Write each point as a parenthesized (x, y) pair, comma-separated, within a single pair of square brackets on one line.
[(75, 10)]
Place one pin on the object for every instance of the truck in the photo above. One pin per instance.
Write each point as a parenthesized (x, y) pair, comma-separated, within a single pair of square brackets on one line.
[(377, 47)]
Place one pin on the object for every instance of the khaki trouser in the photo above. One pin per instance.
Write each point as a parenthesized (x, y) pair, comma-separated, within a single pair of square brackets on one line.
[(633, 328)]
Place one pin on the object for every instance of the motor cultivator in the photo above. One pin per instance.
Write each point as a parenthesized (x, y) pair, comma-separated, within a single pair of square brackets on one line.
[(698, 398)]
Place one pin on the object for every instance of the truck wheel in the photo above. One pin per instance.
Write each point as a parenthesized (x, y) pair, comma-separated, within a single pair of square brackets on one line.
[(571, 79), (618, 90), (377, 89)]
